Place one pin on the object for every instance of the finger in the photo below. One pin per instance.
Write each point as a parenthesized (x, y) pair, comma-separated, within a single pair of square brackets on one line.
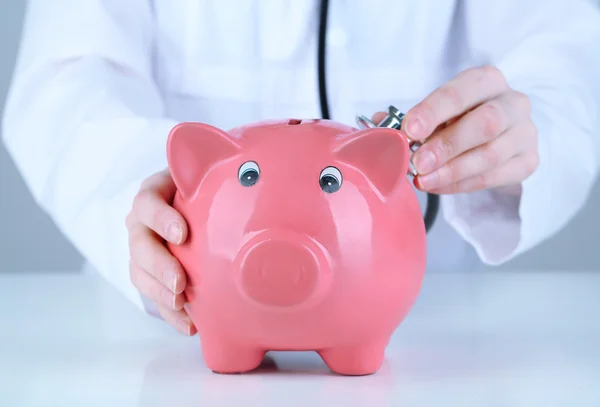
[(179, 319), (147, 251), (477, 127), (515, 141), (378, 117), (513, 172), (152, 207), (162, 183), (467, 90), (153, 289)]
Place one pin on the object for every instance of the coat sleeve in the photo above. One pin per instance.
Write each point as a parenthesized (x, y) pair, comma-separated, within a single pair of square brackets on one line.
[(85, 124), (547, 50)]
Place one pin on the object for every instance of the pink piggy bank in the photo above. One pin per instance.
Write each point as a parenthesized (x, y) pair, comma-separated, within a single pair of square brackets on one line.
[(304, 236)]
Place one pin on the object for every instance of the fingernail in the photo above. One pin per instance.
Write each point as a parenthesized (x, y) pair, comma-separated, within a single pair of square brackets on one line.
[(173, 279), (187, 325), (414, 128), (175, 233), (424, 161), (429, 181)]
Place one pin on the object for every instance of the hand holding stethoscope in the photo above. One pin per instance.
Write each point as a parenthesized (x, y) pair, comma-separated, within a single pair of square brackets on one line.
[(476, 133), (472, 133)]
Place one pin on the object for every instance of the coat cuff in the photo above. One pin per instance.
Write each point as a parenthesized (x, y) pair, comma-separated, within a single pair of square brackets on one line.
[(501, 225), (488, 220)]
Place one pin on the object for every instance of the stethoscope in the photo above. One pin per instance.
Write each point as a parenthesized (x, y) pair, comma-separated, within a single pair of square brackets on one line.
[(392, 120)]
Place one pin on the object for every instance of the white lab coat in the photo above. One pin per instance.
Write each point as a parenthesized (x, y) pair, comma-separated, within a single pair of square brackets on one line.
[(99, 84)]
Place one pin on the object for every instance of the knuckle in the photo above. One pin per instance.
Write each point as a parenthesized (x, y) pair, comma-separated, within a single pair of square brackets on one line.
[(492, 118), (450, 173), (453, 188), (155, 265), (166, 297), (485, 75), (152, 211), (172, 318), (129, 220), (474, 73), (480, 181), (164, 313), (473, 183), (147, 184), (132, 241), (445, 149), (532, 130), (451, 94), (136, 238), (491, 73), (491, 155), (144, 252), (134, 274), (141, 200), (532, 163), (425, 110), (151, 181), (523, 102), (466, 72)]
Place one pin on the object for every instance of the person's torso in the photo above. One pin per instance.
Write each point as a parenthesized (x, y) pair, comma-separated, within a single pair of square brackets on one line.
[(229, 63)]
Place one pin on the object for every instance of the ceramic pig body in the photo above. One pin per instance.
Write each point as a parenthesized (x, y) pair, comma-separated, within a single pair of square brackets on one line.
[(304, 235)]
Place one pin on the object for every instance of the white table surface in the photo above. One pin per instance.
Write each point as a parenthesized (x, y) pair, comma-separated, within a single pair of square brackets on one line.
[(487, 339)]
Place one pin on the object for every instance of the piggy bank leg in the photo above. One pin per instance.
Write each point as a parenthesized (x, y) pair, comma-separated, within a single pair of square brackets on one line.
[(225, 357), (356, 360)]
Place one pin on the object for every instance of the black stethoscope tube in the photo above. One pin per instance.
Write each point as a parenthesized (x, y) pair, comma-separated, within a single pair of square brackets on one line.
[(433, 201)]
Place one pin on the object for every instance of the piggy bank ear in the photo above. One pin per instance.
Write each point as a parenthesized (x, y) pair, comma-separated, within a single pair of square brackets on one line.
[(192, 150), (381, 154)]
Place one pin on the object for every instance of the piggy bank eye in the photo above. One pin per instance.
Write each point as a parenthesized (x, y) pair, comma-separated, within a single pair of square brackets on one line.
[(330, 179), (248, 173)]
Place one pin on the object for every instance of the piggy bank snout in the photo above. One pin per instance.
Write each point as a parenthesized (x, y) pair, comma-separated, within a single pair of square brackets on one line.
[(282, 271)]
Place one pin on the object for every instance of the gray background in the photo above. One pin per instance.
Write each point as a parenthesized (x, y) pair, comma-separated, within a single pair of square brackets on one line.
[(23, 226)]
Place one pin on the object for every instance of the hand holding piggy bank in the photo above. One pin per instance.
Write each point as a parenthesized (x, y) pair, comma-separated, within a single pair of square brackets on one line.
[(303, 235)]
